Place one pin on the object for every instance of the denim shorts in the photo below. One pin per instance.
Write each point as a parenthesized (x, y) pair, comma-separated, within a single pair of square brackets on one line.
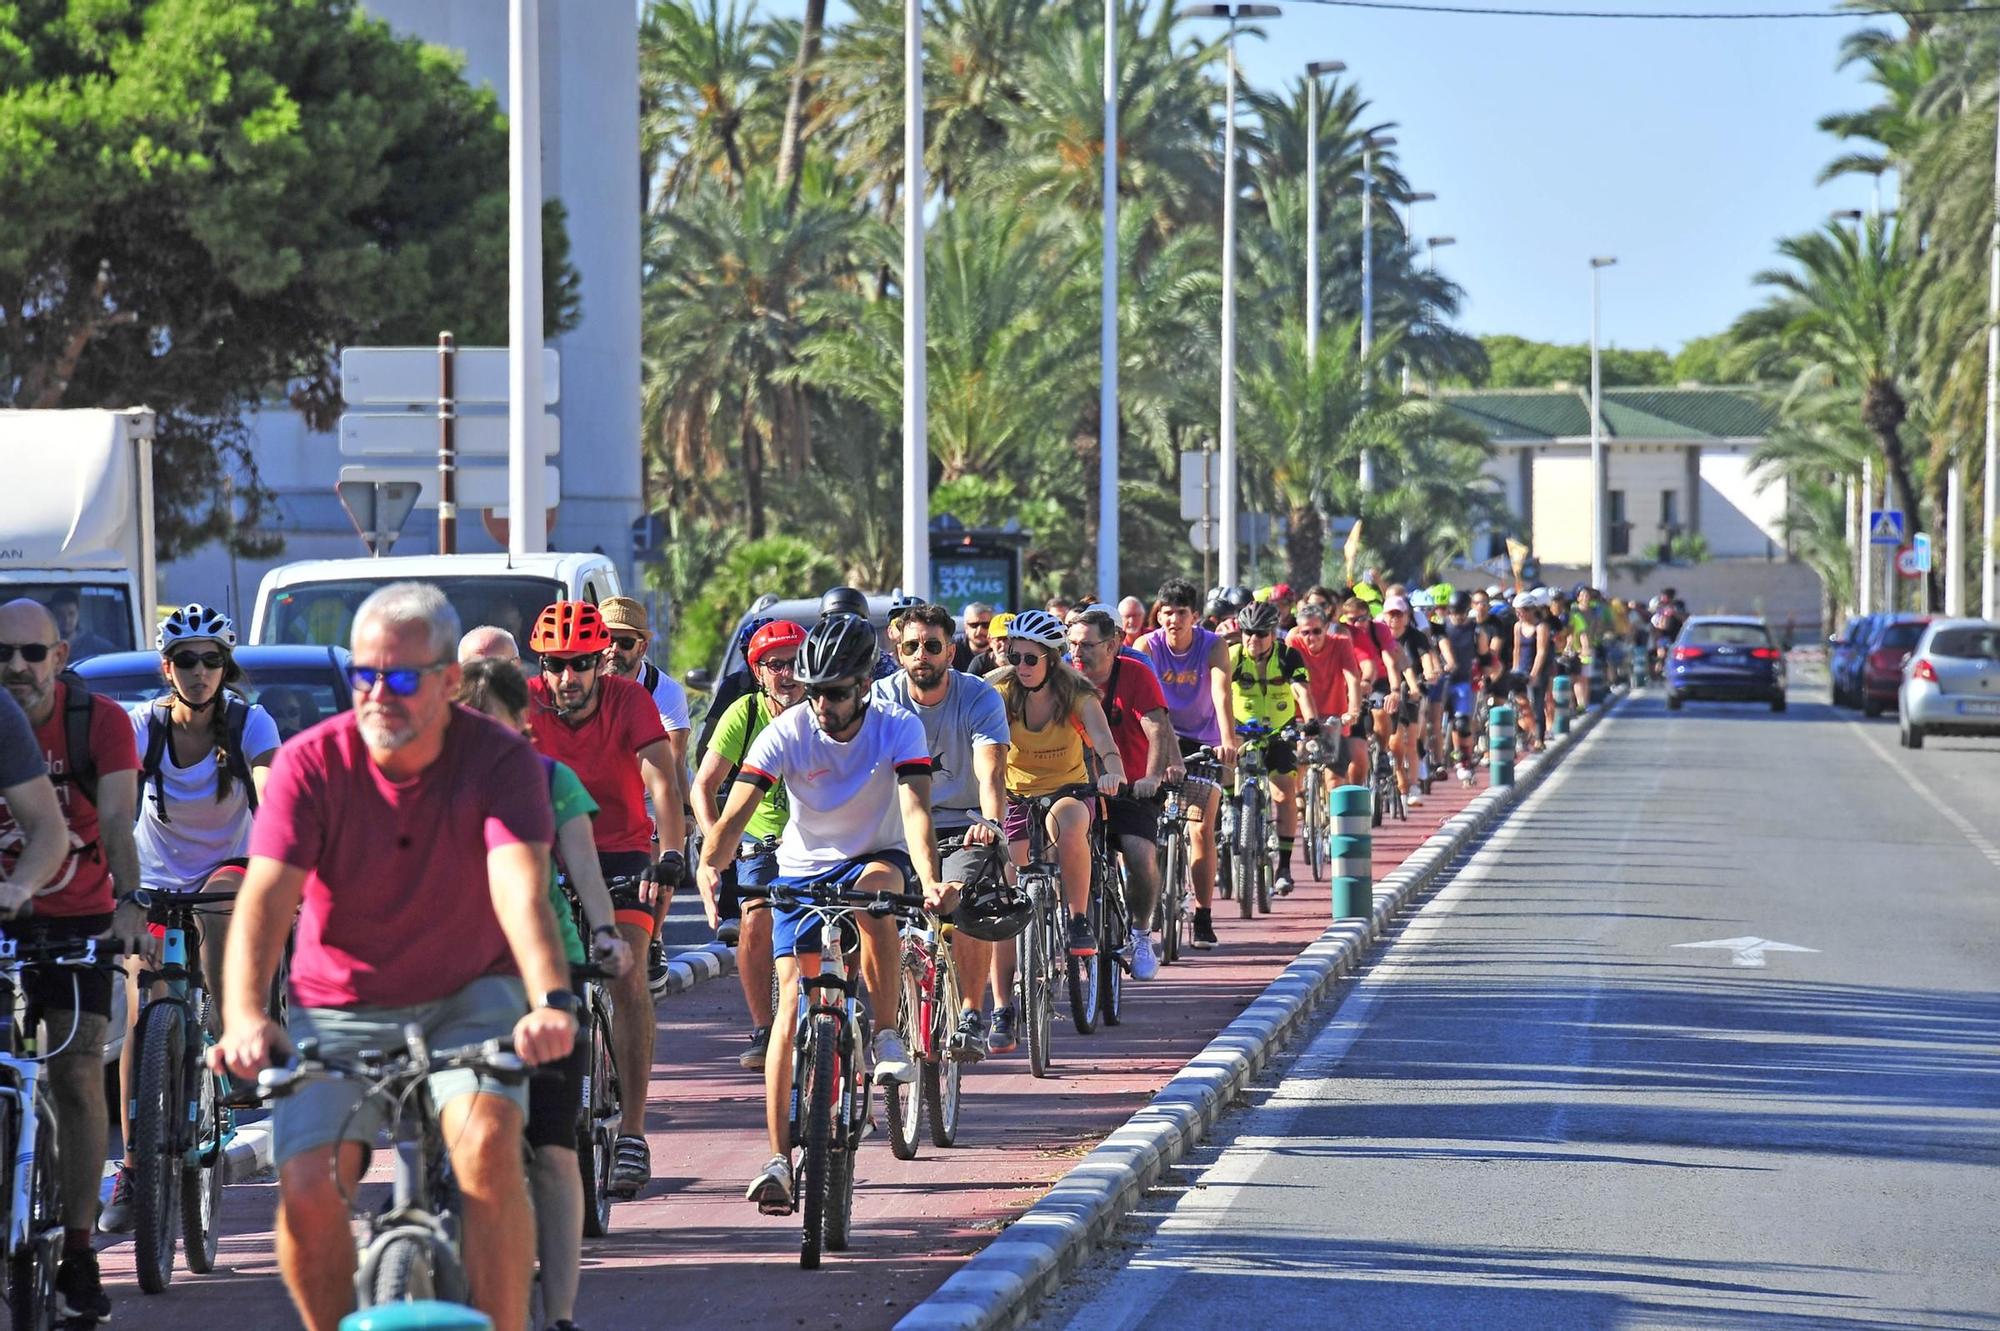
[(326, 1111), (795, 929)]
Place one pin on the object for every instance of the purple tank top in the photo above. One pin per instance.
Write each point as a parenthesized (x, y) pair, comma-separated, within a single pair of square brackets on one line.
[(1184, 681)]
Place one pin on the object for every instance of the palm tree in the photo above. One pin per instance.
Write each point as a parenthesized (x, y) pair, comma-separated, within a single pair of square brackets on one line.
[(701, 70)]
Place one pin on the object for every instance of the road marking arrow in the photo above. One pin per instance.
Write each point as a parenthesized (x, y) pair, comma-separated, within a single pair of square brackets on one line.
[(1749, 951)]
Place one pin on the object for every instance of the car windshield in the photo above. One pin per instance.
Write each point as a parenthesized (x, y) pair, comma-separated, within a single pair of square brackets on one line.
[(1972, 644), (1728, 635), (323, 612), (1900, 637), (93, 618)]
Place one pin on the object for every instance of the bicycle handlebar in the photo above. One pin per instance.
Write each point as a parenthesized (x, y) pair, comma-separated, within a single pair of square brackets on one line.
[(495, 1058), (875, 903), (83, 953)]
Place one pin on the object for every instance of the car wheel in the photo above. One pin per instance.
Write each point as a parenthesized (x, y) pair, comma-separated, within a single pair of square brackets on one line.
[(1778, 703), (1674, 702), (1869, 706), (1913, 737)]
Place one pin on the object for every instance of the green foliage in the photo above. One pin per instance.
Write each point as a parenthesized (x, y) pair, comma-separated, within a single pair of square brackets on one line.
[(783, 566), (1700, 361), (1517, 362)]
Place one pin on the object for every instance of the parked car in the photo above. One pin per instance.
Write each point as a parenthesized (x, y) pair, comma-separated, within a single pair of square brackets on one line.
[(298, 686), (1726, 658), (1890, 646), (1951, 685), (1843, 662)]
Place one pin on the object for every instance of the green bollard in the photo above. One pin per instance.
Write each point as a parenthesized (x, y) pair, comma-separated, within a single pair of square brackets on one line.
[(1500, 746), (1351, 850), (423, 1315), (1637, 660), (1565, 702)]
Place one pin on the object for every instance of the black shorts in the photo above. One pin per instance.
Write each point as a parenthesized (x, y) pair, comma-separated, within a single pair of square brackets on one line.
[(86, 992), (1281, 757), (621, 870), (555, 1092), (1127, 815)]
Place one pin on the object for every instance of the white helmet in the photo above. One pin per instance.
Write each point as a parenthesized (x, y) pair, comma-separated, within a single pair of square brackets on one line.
[(1525, 601), (195, 622), (1038, 626)]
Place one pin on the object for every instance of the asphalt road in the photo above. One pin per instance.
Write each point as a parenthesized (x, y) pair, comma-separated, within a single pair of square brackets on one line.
[(1539, 1109)]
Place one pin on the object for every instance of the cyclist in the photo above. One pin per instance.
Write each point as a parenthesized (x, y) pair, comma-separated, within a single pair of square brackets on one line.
[(1052, 714), (608, 731), (411, 839), (40, 841), (1193, 665), (774, 656), (736, 684), (1462, 647), (205, 757), (1268, 685), (496, 688), (966, 734), (1382, 671), (1132, 619), (1136, 712), (631, 638), (978, 617), (1333, 677), (86, 742), (986, 662), (1428, 614), (1591, 623), (852, 601), (857, 775), (1534, 658), (1414, 665)]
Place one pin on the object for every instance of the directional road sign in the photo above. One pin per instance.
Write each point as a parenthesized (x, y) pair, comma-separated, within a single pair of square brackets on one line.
[(1202, 537), (414, 434), (478, 487), (393, 376), (378, 510), (1885, 526), (1920, 547), (1195, 462)]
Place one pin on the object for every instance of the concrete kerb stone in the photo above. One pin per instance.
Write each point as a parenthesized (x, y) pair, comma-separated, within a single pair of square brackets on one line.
[(1003, 1284)]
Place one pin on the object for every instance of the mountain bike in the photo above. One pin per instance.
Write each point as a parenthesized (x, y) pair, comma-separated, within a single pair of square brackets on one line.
[(1316, 798), (1173, 918), (601, 1105), (1254, 836), (1045, 963), (1111, 921)]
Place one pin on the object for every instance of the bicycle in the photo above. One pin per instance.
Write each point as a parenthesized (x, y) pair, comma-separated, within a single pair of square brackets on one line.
[(601, 1104), (1111, 918), (1382, 764), (1316, 799), (181, 1123), (29, 1134), (1173, 918), (1045, 960)]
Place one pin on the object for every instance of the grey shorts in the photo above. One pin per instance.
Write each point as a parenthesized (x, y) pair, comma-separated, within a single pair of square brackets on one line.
[(321, 1113)]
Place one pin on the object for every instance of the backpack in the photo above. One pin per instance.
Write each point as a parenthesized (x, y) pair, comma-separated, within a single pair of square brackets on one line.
[(78, 703), (152, 764)]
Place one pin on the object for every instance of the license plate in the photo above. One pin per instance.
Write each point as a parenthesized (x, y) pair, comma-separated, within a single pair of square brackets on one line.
[(1979, 709)]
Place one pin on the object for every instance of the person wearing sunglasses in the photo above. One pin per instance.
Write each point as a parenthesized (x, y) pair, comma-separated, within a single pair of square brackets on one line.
[(410, 838), (609, 732), (774, 658), (1268, 685), (1333, 678), (631, 639), (857, 775), (205, 756), (977, 636), (90, 893)]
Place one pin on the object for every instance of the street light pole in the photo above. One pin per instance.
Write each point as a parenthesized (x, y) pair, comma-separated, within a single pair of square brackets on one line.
[(1989, 606), (1600, 576), (527, 525), (1313, 73), (1366, 477), (1107, 402), (916, 428), (1432, 244)]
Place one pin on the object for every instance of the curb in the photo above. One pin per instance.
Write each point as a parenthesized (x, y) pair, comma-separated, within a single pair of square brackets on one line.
[(250, 1153), (1002, 1285)]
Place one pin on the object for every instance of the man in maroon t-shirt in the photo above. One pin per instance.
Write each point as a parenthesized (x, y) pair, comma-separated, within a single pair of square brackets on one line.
[(90, 894), (411, 838), (1137, 711)]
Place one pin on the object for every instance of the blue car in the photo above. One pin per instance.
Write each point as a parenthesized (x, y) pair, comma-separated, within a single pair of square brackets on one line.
[(1726, 658), (299, 686)]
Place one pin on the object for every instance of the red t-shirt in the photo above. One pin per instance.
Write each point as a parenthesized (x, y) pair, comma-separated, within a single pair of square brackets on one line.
[(603, 752), (1372, 642), (1326, 678), (1135, 694), (83, 886), (398, 909)]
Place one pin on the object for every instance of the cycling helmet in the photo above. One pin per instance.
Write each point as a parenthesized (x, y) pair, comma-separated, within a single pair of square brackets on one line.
[(1368, 592), (993, 910), (1443, 592), (1258, 617), (839, 647), (776, 635), (1038, 626), (748, 633), (1526, 601), (194, 622), (1217, 608), (1461, 603), (569, 626), (843, 601), (1422, 599), (1237, 595), (901, 605)]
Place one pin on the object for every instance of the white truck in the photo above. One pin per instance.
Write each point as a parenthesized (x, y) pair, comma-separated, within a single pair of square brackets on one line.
[(314, 600), (76, 523)]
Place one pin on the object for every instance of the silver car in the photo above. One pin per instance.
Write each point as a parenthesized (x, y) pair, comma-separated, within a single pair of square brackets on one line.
[(1951, 683)]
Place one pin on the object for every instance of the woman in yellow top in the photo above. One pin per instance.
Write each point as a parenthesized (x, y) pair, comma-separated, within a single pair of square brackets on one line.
[(1052, 713)]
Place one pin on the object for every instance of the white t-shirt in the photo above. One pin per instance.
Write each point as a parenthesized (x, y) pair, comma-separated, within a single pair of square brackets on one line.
[(180, 854), (670, 698), (843, 796)]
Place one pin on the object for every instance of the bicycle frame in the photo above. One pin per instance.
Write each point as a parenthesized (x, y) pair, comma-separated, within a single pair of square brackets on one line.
[(180, 970)]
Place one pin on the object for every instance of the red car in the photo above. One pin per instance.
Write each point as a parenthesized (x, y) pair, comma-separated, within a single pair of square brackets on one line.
[(1890, 643)]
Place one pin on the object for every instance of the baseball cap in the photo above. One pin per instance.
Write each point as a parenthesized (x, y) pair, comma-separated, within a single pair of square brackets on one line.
[(622, 612), (1396, 603)]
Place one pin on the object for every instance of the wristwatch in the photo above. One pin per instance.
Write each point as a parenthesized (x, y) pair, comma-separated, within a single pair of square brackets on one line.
[(142, 897), (562, 1000)]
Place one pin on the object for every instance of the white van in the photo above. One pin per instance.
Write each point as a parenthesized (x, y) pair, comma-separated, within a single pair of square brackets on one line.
[(314, 600)]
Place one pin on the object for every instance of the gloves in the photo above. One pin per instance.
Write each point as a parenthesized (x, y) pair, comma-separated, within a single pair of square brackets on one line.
[(1311, 729), (670, 871)]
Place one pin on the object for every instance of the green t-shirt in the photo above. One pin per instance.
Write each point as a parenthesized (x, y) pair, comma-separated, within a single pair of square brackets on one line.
[(740, 724), (566, 792)]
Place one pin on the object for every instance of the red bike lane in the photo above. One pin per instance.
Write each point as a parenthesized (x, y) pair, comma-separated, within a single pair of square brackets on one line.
[(691, 1253)]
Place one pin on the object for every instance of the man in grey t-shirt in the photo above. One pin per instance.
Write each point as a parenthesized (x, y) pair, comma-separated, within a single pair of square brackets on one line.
[(966, 726), (29, 795)]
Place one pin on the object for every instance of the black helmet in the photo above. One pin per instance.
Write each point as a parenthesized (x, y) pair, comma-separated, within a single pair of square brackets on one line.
[(1461, 603), (1217, 608), (902, 605), (843, 601), (992, 909), (1237, 595), (1258, 617), (839, 647)]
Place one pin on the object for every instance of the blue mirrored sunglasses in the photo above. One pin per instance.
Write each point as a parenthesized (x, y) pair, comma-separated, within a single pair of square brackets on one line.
[(402, 681)]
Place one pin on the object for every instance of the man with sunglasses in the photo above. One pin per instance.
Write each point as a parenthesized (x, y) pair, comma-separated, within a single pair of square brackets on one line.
[(89, 894), (608, 730), (1268, 686), (1333, 678), (966, 731), (631, 638), (977, 636)]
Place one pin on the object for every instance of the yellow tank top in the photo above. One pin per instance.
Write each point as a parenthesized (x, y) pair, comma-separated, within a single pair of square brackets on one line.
[(1041, 761)]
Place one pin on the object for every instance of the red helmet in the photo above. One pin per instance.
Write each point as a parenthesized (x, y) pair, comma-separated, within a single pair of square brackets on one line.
[(569, 626), (775, 636)]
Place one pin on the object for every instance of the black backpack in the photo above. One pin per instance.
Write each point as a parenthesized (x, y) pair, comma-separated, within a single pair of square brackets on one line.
[(152, 764), (81, 767)]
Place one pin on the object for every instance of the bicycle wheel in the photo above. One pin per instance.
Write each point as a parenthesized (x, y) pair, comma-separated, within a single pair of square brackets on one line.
[(1173, 888), (852, 1108), (1267, 866), (905, 1103), (1248, 850), (159, 1109), (1036, 1002), (1315, 822), (31, 1273), (597, 1123), (203, 1175), (941, 1075), (1114, 935), (405, 1272), (818, 1095), (1082, 972)]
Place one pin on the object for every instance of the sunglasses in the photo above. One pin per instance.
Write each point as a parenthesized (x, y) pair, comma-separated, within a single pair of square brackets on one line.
[(34, 653), (189, 660), (784, 665), (1312, 633), (1025, 658), (581, 665), (929, 646), (401, 681), (624, 644), (1258, 633), (832, 692), (971, 624)]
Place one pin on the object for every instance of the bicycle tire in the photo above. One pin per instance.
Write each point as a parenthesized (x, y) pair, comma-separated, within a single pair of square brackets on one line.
[(840, 1161), (159, 1108), (1315, 820), (1036, 1001), (943, 1076), (818, 1094), (404, 1272), (201, 1184), (1249, 849), (1173, 889), (1082, 972), (597, 1130), (31, 1275), (905, 1103), (1114, 935)]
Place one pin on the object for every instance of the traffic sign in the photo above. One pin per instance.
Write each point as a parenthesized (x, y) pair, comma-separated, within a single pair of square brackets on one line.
[(1920, 546), (1885, 526), (1195, 501), (1202, 537), (414, 434), (1910, 564), (477, 487), (393, 376), (378, 509)]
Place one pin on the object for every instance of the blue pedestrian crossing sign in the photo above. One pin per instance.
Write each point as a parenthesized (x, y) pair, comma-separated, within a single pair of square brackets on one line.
[(1885, 526)]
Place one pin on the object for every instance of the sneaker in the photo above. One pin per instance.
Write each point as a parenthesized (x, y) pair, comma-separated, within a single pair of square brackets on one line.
[(760, 1041), (772, 1188), (1204, 929), (1145, 961), (631, 1168), (1415, 798), (117, 1217), (1283, 885), (1463, 773), (1002, 1039), (79, 1288), (891, 1059), (968, 1042), (656, 969), (1082, 938)]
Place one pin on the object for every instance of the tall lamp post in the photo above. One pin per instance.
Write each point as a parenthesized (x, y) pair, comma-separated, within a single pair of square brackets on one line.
[(1226, 528), (1989, 604), (916, 426), (1369, 147), (1107, 401), (1432, 244), (1314, 72), (1600, 575), (527, 526)]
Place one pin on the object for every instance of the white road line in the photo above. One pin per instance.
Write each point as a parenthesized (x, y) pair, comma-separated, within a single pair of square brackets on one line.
[(1980, 842)]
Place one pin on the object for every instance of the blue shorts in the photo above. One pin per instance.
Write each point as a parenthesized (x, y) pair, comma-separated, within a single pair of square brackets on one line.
[(795, 929), (1462, 700), (755, 865)]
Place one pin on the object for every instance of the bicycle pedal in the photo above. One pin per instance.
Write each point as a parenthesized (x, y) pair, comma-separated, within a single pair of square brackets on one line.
[(775, 1208)]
